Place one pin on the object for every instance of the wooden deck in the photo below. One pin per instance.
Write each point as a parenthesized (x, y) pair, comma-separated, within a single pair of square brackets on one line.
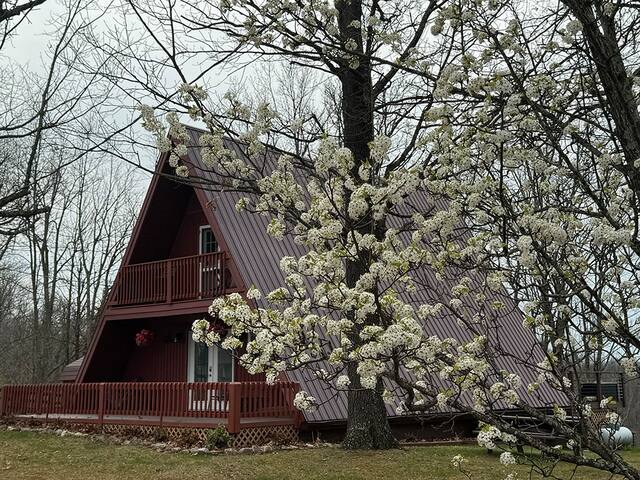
[(236, 405)]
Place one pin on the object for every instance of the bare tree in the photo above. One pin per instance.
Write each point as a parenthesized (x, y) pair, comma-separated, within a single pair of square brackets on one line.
[(70, 255), (61, 105)]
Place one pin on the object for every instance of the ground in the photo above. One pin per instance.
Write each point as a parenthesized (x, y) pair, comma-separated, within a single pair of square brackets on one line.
[(27, 455)]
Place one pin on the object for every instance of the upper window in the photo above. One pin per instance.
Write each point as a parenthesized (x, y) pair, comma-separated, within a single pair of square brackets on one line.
[(208, 242)]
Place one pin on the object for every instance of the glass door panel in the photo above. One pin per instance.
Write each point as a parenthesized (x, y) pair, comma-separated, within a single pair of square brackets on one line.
[(209, 364), (224, 370), (200, 362)]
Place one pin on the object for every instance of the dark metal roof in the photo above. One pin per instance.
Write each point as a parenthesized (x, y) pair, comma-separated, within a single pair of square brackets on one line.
[(257, 256), (70, 372)]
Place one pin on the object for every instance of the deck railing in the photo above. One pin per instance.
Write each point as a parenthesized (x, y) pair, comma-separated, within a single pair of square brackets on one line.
[(173, 280), (153, 403)]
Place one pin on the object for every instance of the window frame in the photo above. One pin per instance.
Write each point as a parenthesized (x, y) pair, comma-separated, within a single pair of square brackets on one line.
[(200, 239)]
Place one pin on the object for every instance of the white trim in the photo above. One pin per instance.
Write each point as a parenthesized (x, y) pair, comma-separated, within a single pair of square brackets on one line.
[(214, 398), (202, 268), (213, 362), (200, 229)]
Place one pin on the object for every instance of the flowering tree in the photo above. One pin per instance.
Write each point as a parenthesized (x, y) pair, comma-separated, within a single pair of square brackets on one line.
[(331, 213), (480, 147)]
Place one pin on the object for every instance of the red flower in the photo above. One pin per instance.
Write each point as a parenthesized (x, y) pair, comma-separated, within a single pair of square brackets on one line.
[(144, 338)]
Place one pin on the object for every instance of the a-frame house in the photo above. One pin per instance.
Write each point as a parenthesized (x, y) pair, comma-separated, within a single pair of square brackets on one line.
[(142, 367), (176, 262)]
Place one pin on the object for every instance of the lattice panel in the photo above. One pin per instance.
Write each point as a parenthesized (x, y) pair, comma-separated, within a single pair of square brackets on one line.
[(247, 437), (173, 433), (259, 436), (599, 417)]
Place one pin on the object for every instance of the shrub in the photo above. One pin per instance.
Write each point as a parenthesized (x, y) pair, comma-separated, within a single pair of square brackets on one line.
[(218, 438)]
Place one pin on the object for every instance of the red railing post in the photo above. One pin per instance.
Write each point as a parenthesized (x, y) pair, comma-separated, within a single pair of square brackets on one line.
[(3, 393), (46, 396), (233, 419), (169, 275), (101, 389)]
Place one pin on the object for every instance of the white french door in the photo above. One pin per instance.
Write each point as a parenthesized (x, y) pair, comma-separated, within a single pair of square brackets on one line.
[(209, 364)]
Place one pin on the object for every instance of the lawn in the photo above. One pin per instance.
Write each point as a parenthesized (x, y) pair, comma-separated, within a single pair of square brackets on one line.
[(27, 455)]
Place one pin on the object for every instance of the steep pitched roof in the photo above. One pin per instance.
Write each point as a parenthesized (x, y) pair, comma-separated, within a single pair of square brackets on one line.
[(257, 256), (70, 372)]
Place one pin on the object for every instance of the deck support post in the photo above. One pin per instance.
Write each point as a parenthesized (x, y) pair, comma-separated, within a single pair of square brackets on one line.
[(101, 388), (233, 420)]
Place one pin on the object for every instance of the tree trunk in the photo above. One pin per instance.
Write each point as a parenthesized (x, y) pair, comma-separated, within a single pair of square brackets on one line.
[(367, 423), (602, 39)]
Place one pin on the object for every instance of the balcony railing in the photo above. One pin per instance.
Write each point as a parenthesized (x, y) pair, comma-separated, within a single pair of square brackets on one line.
[(174, 280), (164, 403)]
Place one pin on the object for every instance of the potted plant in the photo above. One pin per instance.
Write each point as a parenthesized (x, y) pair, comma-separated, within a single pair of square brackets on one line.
[(144, 338)]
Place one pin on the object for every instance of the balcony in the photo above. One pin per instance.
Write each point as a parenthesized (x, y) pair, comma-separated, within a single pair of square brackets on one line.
[(197, 277), (235, 405)]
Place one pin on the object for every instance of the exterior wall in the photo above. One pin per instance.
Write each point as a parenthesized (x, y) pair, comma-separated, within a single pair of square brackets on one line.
[(111, 353), (170, 228), (165, 360), (187, 237), (160, 223)]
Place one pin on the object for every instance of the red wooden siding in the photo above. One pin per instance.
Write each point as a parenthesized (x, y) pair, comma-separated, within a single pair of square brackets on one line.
[(111, 353), (162, 361), (118, 359), (160, 223), (186, 241), (170, 227)]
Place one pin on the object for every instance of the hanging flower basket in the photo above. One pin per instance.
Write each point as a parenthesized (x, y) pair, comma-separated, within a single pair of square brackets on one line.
[(144, 338)]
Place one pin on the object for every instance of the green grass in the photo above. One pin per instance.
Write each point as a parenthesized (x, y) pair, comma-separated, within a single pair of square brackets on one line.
[(28, 455)]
